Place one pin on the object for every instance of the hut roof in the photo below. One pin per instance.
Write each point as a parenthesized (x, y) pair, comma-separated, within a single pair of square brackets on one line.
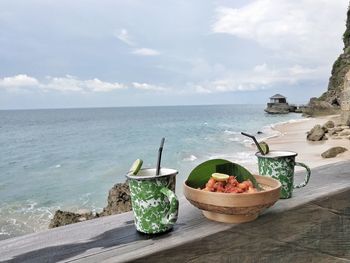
[(278, 96)]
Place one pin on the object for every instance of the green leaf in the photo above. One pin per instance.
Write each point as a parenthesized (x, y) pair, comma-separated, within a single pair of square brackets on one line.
[(202, 173)]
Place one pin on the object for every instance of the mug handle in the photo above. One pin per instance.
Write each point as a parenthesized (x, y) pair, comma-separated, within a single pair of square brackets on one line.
[(307, 177), (171, 215)]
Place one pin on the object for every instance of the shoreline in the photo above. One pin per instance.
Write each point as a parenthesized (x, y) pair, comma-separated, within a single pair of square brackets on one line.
[(292, 137)]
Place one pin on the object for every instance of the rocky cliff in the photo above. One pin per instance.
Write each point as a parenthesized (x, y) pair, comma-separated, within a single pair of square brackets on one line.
[(118, 202), (330, 102), (340, 67)]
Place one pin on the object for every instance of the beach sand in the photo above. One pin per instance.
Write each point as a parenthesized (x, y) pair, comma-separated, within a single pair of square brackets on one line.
[(293, 138)]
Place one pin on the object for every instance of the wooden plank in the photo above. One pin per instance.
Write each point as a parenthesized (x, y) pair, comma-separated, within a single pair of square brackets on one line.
[(309, 233), (114, 238)]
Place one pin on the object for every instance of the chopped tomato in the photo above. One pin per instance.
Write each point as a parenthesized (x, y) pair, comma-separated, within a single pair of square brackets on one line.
[(231, 185)]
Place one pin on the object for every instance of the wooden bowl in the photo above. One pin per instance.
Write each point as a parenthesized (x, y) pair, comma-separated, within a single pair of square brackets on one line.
[(232, 207)]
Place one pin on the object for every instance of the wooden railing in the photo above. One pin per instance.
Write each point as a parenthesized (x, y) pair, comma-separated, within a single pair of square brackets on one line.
[(313, 226)]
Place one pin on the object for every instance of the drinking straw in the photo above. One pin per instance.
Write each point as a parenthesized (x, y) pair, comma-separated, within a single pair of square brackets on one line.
[(255, 141), (160, 155)]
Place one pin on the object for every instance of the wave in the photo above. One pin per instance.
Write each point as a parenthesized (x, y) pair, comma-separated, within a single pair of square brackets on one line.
[(231, 132), (289, 121), (234, 136), (271, 131), (268, 132), (244, 157), (20, 218), (238, 138), (234, 139), (24, 218)]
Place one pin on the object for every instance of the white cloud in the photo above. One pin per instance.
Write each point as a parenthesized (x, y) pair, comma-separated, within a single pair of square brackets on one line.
[(296, 29), (61, 84), (124, 36), (260, 77), (64, 84), (18, 81), (71, 83), (146, 86), (97, 85), (302, 37), (145, 52)]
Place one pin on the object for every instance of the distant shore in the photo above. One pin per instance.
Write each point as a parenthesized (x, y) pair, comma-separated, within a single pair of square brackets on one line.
[(293, 138)]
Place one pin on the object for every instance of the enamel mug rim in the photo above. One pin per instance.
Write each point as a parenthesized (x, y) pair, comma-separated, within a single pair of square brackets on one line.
[(283, 154), (152, 173)]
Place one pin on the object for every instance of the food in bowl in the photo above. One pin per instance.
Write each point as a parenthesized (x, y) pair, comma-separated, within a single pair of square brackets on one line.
[(206, 185), (235, 208), (224, 183)]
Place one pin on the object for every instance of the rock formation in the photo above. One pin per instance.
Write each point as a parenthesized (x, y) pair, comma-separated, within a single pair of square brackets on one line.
[(317, 107), (328, 125), (62, 218), (329, 131), (340, 68), (345, 100), (330, 102), (118, 202), (333, 152), (317, 133)]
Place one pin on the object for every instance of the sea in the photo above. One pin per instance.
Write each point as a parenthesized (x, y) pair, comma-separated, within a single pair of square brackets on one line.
[(68, 159)]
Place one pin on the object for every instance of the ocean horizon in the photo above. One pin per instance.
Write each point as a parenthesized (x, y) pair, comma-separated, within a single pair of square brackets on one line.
[(126, 106), (68, 159)]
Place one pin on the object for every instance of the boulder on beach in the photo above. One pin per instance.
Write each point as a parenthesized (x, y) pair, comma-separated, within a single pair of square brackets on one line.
[(333, 152), (118, 202), (316, 133), (345, 133), (338, 129), (329, 125)]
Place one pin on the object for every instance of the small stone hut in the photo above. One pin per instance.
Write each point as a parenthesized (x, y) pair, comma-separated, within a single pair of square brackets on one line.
[(278, 98), (278, 105)]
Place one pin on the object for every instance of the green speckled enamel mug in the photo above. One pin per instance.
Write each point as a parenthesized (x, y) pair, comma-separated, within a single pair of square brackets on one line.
[(153, 200), (280, 165)]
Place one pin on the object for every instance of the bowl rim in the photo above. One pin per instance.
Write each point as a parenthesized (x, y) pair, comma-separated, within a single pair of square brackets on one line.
[(279, 185)]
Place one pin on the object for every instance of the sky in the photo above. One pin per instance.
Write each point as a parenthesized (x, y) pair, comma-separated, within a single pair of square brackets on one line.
[(111, 53)]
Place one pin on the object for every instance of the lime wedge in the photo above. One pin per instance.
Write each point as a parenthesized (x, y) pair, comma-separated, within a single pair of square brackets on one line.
[(136, 166), (264, 147), (220, 176)]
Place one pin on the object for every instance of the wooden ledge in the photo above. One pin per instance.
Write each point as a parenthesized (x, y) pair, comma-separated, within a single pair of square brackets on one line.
[(314, 225)]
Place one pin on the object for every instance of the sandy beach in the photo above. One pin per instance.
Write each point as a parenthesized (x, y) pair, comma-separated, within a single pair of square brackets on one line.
[(293, 138)]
